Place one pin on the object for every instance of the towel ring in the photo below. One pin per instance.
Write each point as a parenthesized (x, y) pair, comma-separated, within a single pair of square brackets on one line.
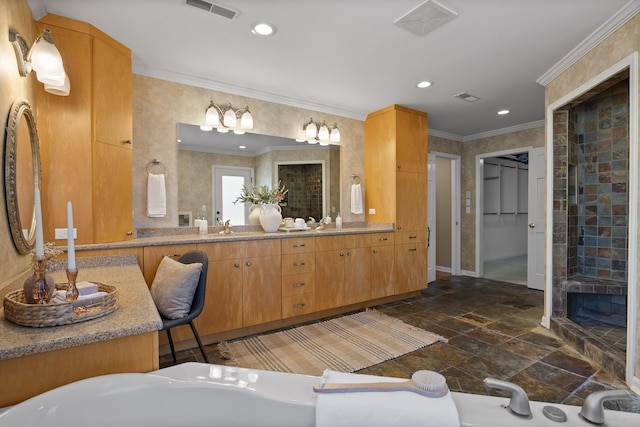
[(155, 162), (355, 179)]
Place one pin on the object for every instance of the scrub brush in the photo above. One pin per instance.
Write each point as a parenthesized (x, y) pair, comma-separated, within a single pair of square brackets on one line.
[(426, 383)]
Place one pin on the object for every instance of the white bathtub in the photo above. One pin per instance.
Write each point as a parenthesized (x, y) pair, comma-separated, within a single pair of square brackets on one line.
[(198, 394)]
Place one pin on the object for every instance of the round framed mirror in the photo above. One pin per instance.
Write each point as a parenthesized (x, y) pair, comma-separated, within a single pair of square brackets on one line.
[(22, 174)]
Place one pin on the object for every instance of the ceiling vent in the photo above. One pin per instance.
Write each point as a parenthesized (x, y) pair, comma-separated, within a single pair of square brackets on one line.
[(467, 97), (215, 8), (425, 18)]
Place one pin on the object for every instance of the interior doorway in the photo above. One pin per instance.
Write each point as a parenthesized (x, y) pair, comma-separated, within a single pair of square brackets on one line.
[(444, 215), (502, 225)]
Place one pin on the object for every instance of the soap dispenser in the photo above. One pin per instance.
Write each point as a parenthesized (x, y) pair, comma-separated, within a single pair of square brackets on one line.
[(338, 221)]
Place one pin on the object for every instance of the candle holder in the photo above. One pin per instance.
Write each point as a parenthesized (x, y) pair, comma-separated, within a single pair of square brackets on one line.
[(39, 288), (72, 291)]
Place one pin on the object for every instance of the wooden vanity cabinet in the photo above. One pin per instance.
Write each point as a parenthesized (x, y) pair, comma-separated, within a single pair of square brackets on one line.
[(243, 285), (342, 270), (86, 137), (298, 276), (396, 152), (382, 265)]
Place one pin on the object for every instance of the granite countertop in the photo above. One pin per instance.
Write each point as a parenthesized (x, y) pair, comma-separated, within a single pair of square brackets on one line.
[(136, 313), (190, 235)]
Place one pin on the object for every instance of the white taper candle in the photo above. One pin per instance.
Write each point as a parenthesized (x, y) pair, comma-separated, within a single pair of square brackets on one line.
[(71, 249), (39, 238)]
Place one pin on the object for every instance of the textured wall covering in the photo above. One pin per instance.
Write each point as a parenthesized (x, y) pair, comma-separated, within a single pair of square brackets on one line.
[(158, 105), (14, 15), (617, 46)]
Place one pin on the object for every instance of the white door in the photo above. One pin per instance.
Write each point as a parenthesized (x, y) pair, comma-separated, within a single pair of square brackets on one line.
[(431, 220), (536, 220), (227, 186)]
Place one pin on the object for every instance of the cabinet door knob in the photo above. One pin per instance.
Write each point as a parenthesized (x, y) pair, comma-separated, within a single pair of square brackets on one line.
[(399, 227), (399, 167), (348, 253), (341, 253), (532, 225), (248, 264), (128, 141), (375, 251), (129, 233), (237, 265)]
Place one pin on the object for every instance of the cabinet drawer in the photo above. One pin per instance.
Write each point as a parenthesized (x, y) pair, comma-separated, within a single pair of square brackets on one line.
[(380, 239), (298, 304), (222, 250), (298, 263), (356, 240), (329, 243), (298, 245), (416, 236), (298, 284), (259, 248)]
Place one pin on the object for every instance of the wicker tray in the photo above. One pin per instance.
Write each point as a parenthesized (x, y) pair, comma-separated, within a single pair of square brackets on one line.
[(18, 311)]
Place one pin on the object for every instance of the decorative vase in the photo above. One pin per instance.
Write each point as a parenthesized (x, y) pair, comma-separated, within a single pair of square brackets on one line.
[(270, 217), (254, 214), (39, 288)]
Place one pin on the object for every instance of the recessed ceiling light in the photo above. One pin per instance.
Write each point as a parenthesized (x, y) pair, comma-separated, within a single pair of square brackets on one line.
[(262, 28), (503, 112), (424, 84), (242, 146)]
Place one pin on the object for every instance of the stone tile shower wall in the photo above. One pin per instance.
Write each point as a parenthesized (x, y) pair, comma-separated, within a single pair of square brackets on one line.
[(590, 197), (304, 198)]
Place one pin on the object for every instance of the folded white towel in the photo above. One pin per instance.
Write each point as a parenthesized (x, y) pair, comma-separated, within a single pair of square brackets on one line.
[(85, 288), (388, 409), (356, 199), (61, 296), (156, 196)]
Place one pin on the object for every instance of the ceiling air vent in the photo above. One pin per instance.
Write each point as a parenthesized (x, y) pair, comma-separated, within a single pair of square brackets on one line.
[(425, 18), (214, 8), (467, 97)]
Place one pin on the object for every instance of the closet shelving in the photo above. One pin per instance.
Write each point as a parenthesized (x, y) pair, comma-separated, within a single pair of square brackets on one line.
[(505, 187)]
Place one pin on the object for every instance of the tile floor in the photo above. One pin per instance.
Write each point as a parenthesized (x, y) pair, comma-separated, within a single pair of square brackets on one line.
[(493, 330)]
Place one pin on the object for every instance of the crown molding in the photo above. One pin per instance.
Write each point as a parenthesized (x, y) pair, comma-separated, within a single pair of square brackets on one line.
[(627, 12), (496, 132), (243, 91)]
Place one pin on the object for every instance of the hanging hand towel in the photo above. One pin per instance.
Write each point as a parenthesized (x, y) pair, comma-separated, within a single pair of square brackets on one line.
[(356, 199), (156, 197)]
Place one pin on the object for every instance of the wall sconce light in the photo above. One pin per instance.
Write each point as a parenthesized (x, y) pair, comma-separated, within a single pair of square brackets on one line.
[(215, 116), (44, 58), (315, 132)]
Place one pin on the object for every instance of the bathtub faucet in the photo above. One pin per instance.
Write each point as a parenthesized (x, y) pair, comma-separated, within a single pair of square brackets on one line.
[(592, 409), (519, 402)]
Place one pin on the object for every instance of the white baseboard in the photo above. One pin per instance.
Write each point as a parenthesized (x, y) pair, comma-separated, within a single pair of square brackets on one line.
[(469, 273)]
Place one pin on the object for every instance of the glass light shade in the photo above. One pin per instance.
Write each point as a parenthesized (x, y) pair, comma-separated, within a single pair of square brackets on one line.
[(47, 63), (211, 117), (206, 128), (323, 132), (229, 119), (246, 121), (324, 143), (238, 132), (222, 130), (312, 141), (62, 90), (311, 130), (335, 134)]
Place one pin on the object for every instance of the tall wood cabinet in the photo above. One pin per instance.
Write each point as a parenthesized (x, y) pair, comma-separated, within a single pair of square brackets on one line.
[(396, 153), (85, 137)]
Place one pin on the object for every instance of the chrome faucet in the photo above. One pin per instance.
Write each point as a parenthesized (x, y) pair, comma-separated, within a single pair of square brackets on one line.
[(227, 226), (592, 409), (322, 223), (519, 402)]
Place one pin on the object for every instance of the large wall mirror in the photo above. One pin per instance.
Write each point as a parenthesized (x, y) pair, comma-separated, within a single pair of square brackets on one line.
[(311, 172), (22, 174)]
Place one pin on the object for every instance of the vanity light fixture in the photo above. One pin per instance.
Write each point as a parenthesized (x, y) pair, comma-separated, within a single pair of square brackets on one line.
[(315, 132), (503, 112), (226, 118), (44, 58), (424, 84)]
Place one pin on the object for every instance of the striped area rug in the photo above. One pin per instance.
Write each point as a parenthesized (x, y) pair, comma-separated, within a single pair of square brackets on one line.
[(344, 344)]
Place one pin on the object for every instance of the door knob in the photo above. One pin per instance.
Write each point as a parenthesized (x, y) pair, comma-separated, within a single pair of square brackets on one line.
[(532, 225)]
